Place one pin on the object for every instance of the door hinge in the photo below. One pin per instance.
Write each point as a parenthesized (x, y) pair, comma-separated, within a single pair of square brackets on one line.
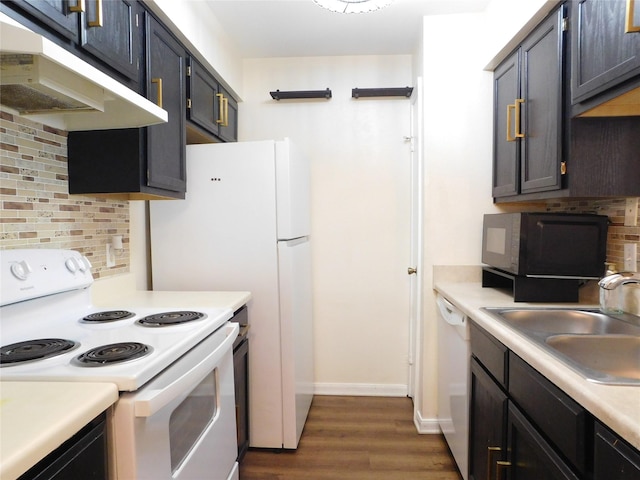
[(188, 103), (189, 71), (563, 168), (565, 24)]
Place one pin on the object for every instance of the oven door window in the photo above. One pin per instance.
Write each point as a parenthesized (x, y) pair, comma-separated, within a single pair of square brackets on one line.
[(192, 417)]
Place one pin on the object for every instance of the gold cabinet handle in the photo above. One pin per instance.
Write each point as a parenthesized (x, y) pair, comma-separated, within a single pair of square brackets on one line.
[(159, 82), (223, 110), (78, 7), (98, 20), (412, 271), (226, 112), (630, 27), (220, 118), (510, 108), (491, 451), (500, 469), (519, 133)]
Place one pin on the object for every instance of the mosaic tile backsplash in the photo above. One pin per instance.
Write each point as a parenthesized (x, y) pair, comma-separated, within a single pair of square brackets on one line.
[(37, 210)]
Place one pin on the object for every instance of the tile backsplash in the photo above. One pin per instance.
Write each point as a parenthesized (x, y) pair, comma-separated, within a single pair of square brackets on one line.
[(37, 210)]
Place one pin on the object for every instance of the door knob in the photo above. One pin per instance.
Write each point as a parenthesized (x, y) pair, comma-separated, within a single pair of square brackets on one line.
[(411, 271)]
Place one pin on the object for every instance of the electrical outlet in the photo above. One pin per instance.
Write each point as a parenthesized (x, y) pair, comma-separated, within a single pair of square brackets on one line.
[(630, 257), (111, 257), (631, 212)]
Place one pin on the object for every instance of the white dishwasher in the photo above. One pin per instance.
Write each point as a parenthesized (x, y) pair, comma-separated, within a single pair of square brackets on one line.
[(453, 380)]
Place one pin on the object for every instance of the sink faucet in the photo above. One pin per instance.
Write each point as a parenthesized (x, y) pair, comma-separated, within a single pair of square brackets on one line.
[(611, 300), (613, 281)]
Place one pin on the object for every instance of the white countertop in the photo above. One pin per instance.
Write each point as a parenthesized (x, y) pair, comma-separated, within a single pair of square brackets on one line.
[(618, 407), (37, 417), (173, 299)]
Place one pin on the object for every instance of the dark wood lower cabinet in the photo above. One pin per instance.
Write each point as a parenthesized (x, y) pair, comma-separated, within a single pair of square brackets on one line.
[(83, 456), (241, 373), (613, 457), (530, 456), (523, 427), (487, 417)]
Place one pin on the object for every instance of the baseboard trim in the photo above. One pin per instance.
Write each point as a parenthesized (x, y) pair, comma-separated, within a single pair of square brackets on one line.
[(425, 425), (360, 389)]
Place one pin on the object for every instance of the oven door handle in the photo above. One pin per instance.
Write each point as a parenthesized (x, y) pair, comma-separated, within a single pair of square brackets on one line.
[(149, 402)]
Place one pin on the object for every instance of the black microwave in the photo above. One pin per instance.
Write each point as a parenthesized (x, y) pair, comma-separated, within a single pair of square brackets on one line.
[(560, 245)]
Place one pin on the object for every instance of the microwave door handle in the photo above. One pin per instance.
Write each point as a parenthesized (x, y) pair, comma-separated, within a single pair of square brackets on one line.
[(149, 402)]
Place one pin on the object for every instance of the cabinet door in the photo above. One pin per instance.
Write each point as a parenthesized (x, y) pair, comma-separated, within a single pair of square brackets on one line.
[(228, 130), (613, 457), (60, 15), (530, 456), (202, 90), (604, 53), (506, 161), (166, 142), (542, 80), (111, 32), (487, 421)]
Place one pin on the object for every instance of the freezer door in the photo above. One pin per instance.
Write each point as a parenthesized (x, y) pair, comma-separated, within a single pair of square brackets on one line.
[(292, 191), (296, 321)]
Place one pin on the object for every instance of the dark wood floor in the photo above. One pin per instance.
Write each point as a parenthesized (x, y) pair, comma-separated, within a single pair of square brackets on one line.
[(356, 438)]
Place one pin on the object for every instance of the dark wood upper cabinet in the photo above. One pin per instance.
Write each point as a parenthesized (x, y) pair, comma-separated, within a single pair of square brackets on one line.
[(111, 31), (166, 143), (528, 113), (212, 113), (543, 147), (139, 163), (606, 46), (61, 16), (107, 34)]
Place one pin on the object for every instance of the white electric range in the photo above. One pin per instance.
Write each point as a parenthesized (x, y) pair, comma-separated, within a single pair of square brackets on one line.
[(175, 418)]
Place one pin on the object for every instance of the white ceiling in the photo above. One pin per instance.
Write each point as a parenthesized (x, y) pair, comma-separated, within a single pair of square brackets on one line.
[(300, 28)]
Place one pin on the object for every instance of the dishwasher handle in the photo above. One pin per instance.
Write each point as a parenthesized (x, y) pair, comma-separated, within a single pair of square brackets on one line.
[(450, 313)]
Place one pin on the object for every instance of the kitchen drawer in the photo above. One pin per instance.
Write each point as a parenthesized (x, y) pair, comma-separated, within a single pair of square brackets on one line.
[(564, 422), (490, 352)]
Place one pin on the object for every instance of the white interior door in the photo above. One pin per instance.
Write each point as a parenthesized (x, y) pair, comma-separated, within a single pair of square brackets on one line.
[(415, 267)]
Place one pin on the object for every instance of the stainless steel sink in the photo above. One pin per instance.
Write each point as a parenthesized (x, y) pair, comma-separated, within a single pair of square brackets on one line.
[(600, 347), (615, 356), (568, 321)]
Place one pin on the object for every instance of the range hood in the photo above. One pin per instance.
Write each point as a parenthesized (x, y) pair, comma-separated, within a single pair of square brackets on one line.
[(44, 82)]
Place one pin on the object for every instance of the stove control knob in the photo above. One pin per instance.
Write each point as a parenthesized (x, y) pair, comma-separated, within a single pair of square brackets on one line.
[(83, 264), (21, 270), (72, 265), (87, 264)]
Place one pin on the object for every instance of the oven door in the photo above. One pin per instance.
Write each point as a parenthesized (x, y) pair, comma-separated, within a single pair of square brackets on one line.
[(181, 425)]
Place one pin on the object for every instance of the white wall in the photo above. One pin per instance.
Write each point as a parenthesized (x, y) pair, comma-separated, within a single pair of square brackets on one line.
[(457, 163), (458, 146), (360, 208), (201, 32)]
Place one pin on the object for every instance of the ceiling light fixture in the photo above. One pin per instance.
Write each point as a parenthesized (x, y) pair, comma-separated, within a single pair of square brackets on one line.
[(353, 6)]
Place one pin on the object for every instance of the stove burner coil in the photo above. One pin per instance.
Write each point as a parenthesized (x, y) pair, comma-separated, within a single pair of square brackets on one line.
[(38, 349), (170, 318), (113, 353), (109, 316)]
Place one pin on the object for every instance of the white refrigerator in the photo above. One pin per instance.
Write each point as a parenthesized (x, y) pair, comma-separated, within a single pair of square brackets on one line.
[(244, 225)]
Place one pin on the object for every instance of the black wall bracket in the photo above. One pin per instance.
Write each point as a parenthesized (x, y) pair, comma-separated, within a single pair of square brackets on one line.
[(278, 95), (381, 92)]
